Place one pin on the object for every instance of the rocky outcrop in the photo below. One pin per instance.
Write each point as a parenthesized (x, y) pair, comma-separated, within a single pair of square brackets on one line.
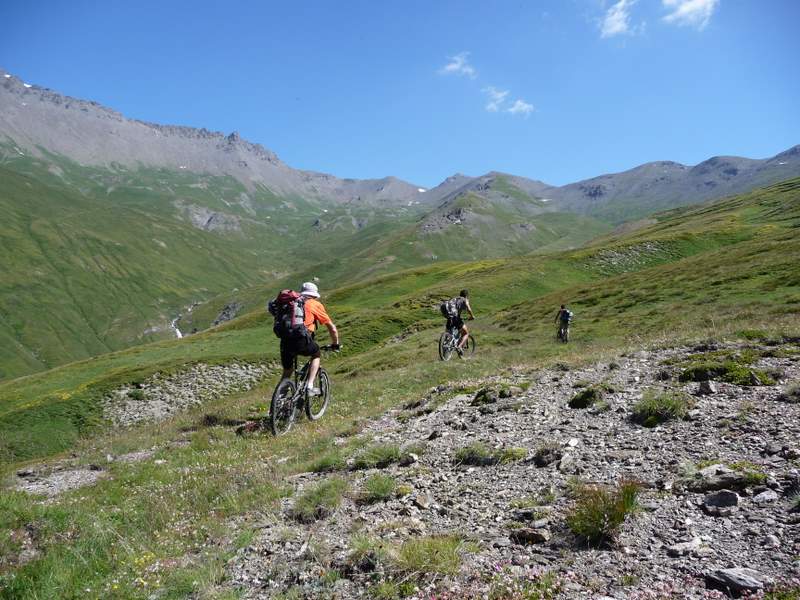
[(161, 396)]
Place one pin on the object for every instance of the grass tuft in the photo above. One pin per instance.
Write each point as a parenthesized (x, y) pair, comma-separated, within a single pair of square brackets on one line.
[(586, 397), (378, 488), (480, 455), (330, 461), (378, 456), (599, 512), (655, 408), (429, 555), (319, 501)]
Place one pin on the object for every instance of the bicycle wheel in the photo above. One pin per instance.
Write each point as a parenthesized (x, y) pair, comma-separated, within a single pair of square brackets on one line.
[(316, 405), (565, 337), (446, 346), (282, 407)]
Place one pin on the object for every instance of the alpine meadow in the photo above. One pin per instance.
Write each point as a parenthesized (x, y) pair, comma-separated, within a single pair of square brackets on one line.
[(649, 450)]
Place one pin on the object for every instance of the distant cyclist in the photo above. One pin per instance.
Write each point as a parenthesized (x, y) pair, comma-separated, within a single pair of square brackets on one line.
[(298, 338), (563, 318), (452, 310)]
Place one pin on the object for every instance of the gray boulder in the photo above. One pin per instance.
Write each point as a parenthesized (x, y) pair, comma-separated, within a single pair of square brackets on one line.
[(736, 581), (721, 503)]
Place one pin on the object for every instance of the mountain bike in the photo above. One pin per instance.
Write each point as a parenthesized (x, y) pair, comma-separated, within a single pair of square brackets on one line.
[(562, 335), (448, 343), (291, 396)]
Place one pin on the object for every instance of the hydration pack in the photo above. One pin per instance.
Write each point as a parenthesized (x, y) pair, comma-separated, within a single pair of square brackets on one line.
[(449, 308), (289, 312), (566, 316)]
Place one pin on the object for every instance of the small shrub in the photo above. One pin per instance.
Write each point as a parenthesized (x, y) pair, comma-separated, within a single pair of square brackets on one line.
[(751, 473), (509, 455), (487, 395), (319, 501), (480, 455), (791, 394), (403, 490), (599, 512), (585, 398), (367, 554), (525, 585), (547, 453), (391, 590), (436, 554), (378, 456), (581, 383), (613, 366), (136, 394), (753, 334), (476, 454), (737, 372), (655, 408), (378, 488)]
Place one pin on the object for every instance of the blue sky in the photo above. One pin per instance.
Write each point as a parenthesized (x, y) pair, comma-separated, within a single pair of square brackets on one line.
[(554, 90)]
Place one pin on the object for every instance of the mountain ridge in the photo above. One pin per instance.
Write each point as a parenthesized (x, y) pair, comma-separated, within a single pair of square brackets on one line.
[(647, 187)]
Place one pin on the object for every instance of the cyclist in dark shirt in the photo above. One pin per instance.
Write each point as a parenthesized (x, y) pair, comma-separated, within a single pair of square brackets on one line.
[(456, 322)]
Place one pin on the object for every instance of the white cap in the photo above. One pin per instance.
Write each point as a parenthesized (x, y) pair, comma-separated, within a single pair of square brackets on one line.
[(310, 289)]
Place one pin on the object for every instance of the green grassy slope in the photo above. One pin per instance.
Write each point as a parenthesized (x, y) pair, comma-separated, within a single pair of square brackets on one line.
[(105, 258), (716, 265), (102, 259)]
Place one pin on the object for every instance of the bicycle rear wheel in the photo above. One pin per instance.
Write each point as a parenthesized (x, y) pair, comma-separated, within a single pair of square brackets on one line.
[(316, 405), (446, 346), (282, 407)]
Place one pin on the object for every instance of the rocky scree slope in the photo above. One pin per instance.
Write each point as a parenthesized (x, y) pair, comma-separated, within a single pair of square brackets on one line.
[(718, 500)]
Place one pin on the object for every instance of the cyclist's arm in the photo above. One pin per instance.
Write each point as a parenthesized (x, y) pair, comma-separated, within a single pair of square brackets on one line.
[(558, 315), (469, 309), (334, 333)]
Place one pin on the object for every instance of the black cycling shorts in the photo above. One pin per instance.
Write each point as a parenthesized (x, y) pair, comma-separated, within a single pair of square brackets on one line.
[(291, 347), (455, 322)]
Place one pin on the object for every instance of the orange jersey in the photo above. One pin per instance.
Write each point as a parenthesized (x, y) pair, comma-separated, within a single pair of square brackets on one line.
[(315, 313)]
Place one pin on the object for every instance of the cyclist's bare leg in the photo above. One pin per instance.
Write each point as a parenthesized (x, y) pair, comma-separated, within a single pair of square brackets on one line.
[(464, 336), (287, 374), (313, 368)]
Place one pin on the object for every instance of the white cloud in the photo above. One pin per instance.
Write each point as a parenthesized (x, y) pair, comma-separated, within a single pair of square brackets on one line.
[(520, 107), (617, 20), (496, 98), (459, 65), (694, 13)]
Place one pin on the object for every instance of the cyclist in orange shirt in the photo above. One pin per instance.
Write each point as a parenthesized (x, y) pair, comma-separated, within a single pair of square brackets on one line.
[(315, 314)]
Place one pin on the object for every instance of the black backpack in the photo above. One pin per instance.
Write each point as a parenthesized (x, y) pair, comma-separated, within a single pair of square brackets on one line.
[(449, 308), (289, 312)]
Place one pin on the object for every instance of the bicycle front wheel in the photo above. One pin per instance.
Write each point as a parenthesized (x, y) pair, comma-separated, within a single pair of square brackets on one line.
[(469, 347), (282, 407), (446, 345), (316, 405)]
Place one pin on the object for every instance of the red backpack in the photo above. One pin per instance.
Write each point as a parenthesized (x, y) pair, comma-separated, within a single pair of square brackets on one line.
[(289, 312)]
